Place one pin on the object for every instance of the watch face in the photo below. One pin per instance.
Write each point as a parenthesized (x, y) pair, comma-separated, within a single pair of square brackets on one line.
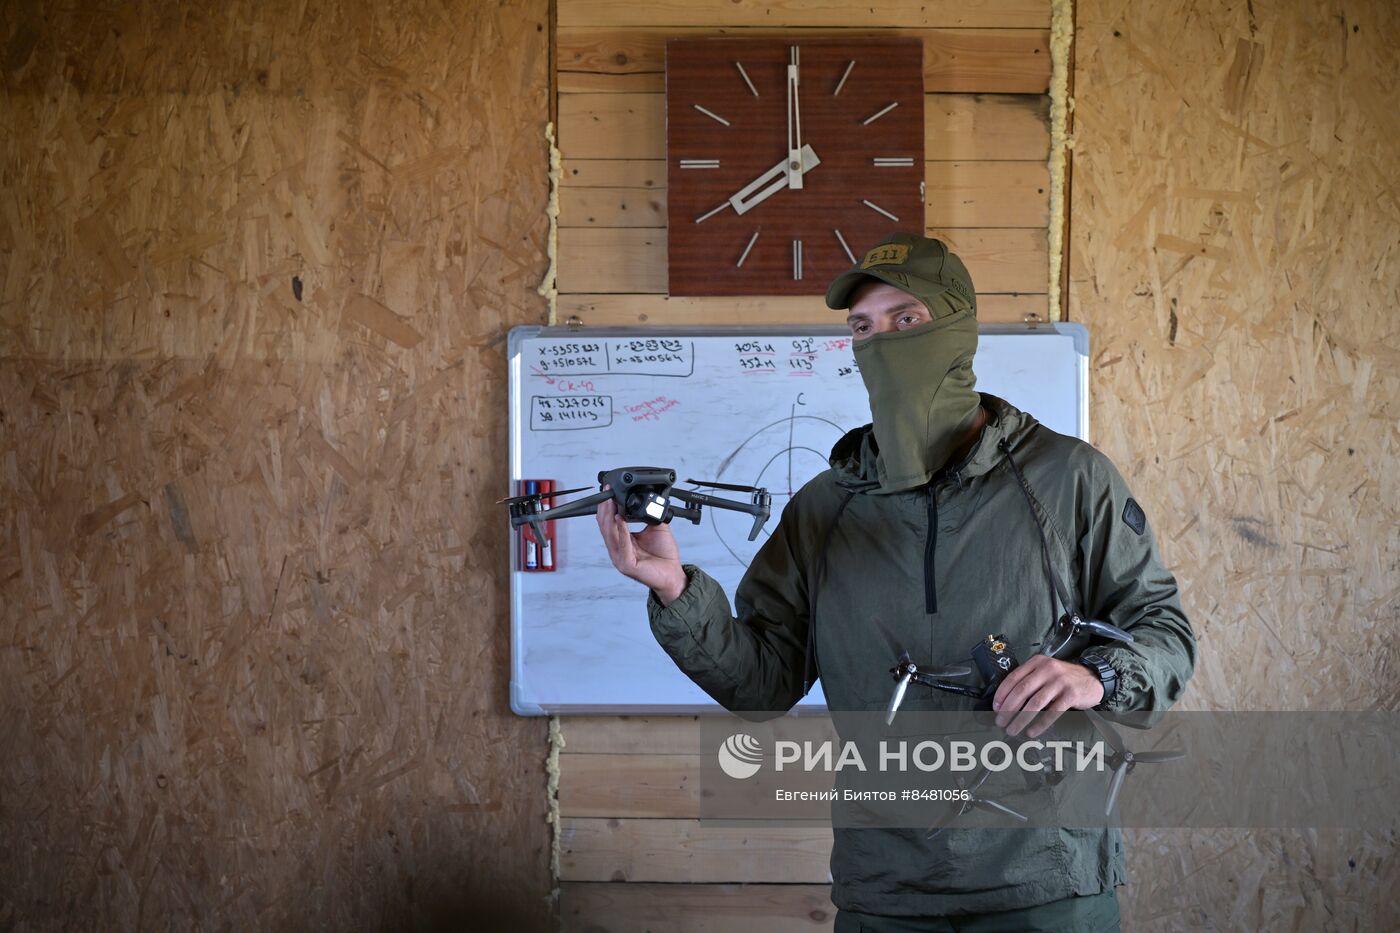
[(788, 158)]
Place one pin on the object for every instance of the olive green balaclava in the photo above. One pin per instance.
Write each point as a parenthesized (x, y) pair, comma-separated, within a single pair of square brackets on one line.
[(923, 395)]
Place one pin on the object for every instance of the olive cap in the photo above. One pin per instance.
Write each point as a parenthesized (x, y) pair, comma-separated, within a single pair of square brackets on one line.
[(920, 265)]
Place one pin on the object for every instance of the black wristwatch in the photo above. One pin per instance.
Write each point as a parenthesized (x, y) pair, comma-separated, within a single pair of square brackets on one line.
[(1105, 673)]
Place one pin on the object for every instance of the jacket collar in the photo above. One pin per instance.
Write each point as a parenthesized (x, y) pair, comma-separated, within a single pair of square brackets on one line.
[(854, 456)]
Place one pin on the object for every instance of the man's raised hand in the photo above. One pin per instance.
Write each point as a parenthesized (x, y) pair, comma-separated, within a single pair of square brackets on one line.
[(649, 556)]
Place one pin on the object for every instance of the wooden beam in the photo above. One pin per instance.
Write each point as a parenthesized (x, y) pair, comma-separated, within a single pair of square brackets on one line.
[(633, 260), (977, 127), (869, 14), (686, 851), (646, 785), (613, 126), (660, 310), (987, 194), (614, 173), (957, 194), (631, 735), (615, 259), (995, 61), (611, 207), (959, 127), (588, 907)]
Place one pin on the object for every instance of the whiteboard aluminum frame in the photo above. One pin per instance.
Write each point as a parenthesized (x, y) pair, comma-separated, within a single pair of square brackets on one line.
[(519, 702)]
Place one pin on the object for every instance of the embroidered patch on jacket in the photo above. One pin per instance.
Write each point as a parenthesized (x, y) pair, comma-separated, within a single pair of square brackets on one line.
[(1134, 517)]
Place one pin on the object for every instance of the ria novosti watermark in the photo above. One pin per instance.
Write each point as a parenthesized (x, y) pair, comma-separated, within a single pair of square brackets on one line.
[(741, 756), (1180, 769)]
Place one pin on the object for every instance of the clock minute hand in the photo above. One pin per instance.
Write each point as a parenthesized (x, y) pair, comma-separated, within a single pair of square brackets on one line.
[(771, 182), (794, 168)]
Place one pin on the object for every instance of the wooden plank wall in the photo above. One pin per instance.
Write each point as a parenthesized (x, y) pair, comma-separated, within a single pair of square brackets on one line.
[(987, 71), (1236, 257), (257, 265), (627, 797)]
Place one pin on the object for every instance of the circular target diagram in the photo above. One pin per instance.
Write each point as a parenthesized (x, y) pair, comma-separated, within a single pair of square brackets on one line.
[(780, 456)]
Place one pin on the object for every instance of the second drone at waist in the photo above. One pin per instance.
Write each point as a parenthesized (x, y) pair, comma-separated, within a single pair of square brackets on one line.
[(643, 494)]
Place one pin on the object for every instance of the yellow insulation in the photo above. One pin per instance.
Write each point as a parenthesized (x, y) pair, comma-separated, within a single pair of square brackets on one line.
[(556, 745), (1061, 104), (548, 286)]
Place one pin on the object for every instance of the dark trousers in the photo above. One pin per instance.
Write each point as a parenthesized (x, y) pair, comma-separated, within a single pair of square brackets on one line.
[(1095, 913)]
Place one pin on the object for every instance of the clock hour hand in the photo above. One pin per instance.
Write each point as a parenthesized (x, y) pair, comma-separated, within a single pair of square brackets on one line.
[(771, 182)]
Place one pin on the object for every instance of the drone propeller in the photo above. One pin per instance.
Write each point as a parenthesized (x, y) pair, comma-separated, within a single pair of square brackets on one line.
[(1124, 759), (732, 487), (957, 808), (1104, 630), (905, 672), (511, 500), (1071, 631)]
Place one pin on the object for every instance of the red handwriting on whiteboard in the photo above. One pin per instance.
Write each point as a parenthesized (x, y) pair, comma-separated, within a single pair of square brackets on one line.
[(652, 409)]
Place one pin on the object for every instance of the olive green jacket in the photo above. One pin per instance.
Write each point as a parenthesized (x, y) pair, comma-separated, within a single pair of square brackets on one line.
[(942, 566)]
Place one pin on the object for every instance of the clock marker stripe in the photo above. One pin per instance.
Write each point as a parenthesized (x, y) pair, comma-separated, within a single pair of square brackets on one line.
[(699, 163), (745, 75), (842, 240), (714, 116), (705, 217), (844, 75), (907, 162), (745, 255), (879, 210), (873, 117)]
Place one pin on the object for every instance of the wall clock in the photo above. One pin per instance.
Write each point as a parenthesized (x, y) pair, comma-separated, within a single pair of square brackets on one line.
[(787, 158)]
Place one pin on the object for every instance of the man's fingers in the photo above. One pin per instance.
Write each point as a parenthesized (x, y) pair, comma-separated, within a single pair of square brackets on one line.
[(615, 536), (1047, 718), (1016, 688), (1008, 683), (1037, 702)]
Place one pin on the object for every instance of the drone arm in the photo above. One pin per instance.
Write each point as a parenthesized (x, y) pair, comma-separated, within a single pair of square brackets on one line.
[(585, 506), (692, 514), (758, 509), (947, 687), (536, 517)]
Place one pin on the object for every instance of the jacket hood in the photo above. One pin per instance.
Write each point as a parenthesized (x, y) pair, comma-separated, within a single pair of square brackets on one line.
[(855, 456)]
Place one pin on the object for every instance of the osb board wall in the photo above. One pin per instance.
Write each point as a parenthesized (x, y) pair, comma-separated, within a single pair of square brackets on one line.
[(257, 264), (987, 73), (1235, 250)]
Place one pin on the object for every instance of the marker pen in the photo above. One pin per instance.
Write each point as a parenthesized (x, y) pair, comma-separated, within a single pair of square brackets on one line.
[(547, 550)]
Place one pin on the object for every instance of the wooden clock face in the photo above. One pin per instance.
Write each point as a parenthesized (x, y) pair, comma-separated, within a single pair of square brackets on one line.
[(774, 186)]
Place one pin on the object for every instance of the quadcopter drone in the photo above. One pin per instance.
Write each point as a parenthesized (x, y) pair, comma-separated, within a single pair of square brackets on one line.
[(994, 658), (642, 494)]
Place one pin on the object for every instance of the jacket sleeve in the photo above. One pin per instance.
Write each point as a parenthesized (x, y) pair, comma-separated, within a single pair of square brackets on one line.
[(753, 663), (1123, 583)]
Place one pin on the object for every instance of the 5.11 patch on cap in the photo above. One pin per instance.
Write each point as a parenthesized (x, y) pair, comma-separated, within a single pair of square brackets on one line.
[(1134, 517)]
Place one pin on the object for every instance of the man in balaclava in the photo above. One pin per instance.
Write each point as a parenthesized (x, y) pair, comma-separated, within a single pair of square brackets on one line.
[(997, 517)]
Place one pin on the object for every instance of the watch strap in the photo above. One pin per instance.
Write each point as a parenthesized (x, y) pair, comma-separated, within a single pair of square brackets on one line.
[(1108, 677)]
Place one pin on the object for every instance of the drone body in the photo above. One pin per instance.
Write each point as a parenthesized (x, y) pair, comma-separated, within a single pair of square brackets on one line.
[(643, 495)]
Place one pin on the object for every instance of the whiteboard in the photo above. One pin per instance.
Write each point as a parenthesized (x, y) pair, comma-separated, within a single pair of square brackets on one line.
[(760, 407)]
